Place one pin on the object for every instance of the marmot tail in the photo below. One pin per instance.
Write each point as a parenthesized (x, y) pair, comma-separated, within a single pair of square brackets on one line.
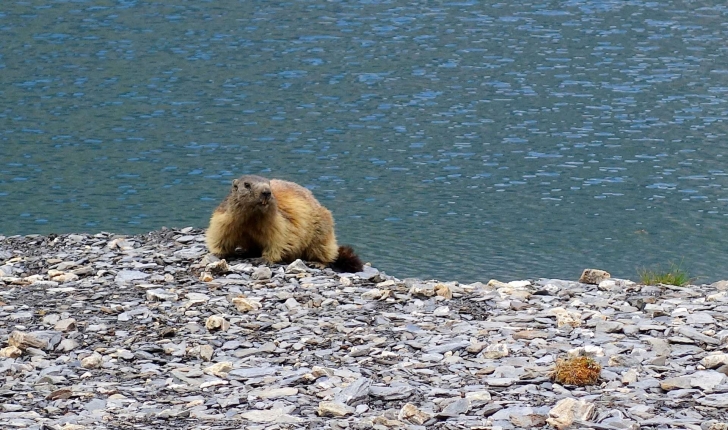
[(347, 260)]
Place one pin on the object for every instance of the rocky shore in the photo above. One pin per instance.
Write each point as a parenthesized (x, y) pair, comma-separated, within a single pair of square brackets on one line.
[(151, 332)]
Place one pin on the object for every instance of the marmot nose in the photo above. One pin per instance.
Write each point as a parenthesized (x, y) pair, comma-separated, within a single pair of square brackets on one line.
[(265, 194)]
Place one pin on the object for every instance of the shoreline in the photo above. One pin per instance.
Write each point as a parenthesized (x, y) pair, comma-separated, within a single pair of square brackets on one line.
[(149, 331)]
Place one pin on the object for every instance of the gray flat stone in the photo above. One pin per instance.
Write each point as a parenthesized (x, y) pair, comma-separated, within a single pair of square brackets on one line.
[(354, 392), (125, 276), (252, 372), (440, 349)]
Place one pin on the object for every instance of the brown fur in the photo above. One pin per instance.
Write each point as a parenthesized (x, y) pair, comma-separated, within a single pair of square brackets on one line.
[(281, 221)]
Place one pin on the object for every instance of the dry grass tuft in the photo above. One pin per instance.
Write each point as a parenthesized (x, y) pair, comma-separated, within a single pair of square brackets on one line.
[(576, 371)]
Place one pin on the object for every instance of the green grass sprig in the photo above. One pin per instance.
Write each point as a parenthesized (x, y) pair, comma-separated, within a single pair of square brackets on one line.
[(675, 275)]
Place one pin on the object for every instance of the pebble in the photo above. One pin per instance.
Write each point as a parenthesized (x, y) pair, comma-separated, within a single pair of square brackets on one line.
[(127, 276), (273, 415), (216, 322), (66, 324), (160, 294), (262, 273), (92, 361), (715, 400), (456, 408), (272, 393), (334, 409), (714, 360), (594, 276), (105, 331), (412, 414), (243, 304), (568, 410)]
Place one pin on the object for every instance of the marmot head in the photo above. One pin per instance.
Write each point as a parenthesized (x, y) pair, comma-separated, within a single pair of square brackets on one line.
[(253, 192)]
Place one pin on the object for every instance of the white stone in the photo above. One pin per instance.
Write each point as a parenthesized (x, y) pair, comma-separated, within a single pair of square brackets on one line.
[(262, 273), (121, 244), (714, 361), (334, 409), (11, 352), (278, 415), (443, 290), (564, 317), (494, 284), (422, 290), (568, 410), (216, 322), (476, 397), (373, 294), (519, 284), (296, 267), (273, 393), (608, 285), (513, 293), (589, 350), (441, 311), (245, 304), (213, 383), (160, 294), (630, 376), (292, 304), (61, 277), (220, 369), (412, 414), (92, 361), (717, 297), (501, 382), (206, 352), (679, 312), (593, 276), (494, 351), (66, 324), (67, 345)]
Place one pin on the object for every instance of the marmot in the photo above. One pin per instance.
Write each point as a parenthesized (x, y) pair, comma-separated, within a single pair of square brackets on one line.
[(278, 220)]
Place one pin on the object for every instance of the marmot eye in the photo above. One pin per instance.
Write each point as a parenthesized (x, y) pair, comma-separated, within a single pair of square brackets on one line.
[(247, 185)]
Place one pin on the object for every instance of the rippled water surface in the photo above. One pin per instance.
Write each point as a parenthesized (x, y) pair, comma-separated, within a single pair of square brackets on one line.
[(456, 140)]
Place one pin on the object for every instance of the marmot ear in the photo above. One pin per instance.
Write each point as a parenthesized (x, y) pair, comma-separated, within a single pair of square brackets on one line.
[(235, 184)]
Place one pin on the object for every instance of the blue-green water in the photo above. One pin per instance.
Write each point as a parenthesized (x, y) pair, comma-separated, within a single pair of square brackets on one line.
[(456, 140)]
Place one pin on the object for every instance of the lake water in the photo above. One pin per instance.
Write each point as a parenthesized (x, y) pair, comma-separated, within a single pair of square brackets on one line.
[(455, 140)]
